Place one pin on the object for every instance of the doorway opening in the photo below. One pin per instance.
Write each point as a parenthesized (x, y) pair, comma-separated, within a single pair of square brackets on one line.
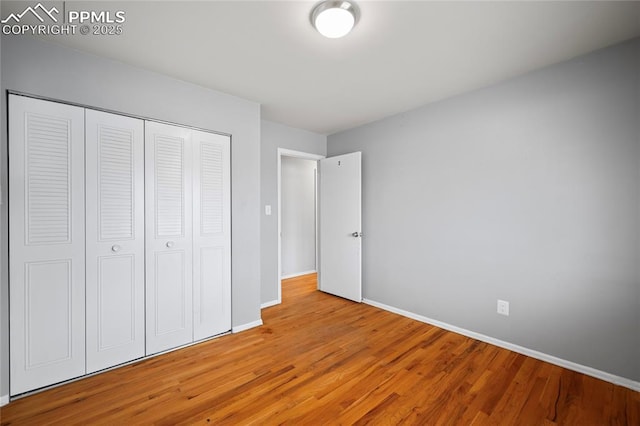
[(298, 206)]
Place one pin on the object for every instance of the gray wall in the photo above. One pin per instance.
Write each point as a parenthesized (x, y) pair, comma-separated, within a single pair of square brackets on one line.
[(274, 136), (527, 191), (298, 220), (4, 289), (53, 71)]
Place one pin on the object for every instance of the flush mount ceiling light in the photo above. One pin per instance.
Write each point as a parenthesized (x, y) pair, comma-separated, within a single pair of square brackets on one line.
[(334, 19)]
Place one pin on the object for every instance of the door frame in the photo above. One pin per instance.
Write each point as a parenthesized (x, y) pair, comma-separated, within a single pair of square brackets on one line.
[(283, 152)]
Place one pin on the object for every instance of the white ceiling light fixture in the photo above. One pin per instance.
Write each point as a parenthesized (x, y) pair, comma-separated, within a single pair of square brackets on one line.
[(335, 19)]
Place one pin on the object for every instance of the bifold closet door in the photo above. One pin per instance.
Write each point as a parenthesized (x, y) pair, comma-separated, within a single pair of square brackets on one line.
[(46, 243), (114, 151), (168, 202), (211, 234)]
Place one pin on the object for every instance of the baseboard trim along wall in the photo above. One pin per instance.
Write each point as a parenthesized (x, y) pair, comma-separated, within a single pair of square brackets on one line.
[(598, 374), (243, 327), (4, 400), (271, 303), (298, 274)]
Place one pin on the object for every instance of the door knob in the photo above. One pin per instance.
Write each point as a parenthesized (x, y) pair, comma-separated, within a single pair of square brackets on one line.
[(356, 234), (115, 248), (169, 244)]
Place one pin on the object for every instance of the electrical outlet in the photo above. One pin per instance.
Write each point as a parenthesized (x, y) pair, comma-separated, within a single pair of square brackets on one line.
[(503, 307)]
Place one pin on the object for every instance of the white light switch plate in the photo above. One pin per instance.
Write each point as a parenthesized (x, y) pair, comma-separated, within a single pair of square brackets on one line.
[(267, 210), (503, 307)]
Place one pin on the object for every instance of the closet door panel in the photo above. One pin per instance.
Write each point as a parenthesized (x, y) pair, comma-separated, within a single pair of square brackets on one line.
[(115, 239), (170, 288), (46, 243), (211, 234), (169, 294)]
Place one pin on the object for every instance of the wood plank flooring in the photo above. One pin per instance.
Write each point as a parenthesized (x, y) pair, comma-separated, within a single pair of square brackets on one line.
[(322, 360)]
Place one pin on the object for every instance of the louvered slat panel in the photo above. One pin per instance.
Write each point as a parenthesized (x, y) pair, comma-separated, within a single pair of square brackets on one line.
[(115, 239), (169, 186), (211, 188), (211, 239), (46, 243), (48, 178), (169, 236), (116, 183)]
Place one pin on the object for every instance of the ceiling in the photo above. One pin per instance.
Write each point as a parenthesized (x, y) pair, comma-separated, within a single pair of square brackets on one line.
[(401, 54)]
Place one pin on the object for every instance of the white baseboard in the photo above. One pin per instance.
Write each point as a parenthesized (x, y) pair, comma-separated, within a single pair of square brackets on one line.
[(271, 303), (298, 274), (4, 400), (598, 374), (243, 327)]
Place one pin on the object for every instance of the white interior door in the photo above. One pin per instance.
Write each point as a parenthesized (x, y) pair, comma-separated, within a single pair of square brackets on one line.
[(211, 234), (114, 151), (341, 226), (46, 243), (168, 198)]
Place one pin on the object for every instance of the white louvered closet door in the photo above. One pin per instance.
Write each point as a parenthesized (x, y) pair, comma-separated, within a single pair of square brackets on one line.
[(211, 235), (168, 199), (114, 154), (46, 243)]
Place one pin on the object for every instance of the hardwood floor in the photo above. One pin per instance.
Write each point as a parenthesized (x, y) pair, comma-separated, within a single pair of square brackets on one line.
[(322, 360)]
